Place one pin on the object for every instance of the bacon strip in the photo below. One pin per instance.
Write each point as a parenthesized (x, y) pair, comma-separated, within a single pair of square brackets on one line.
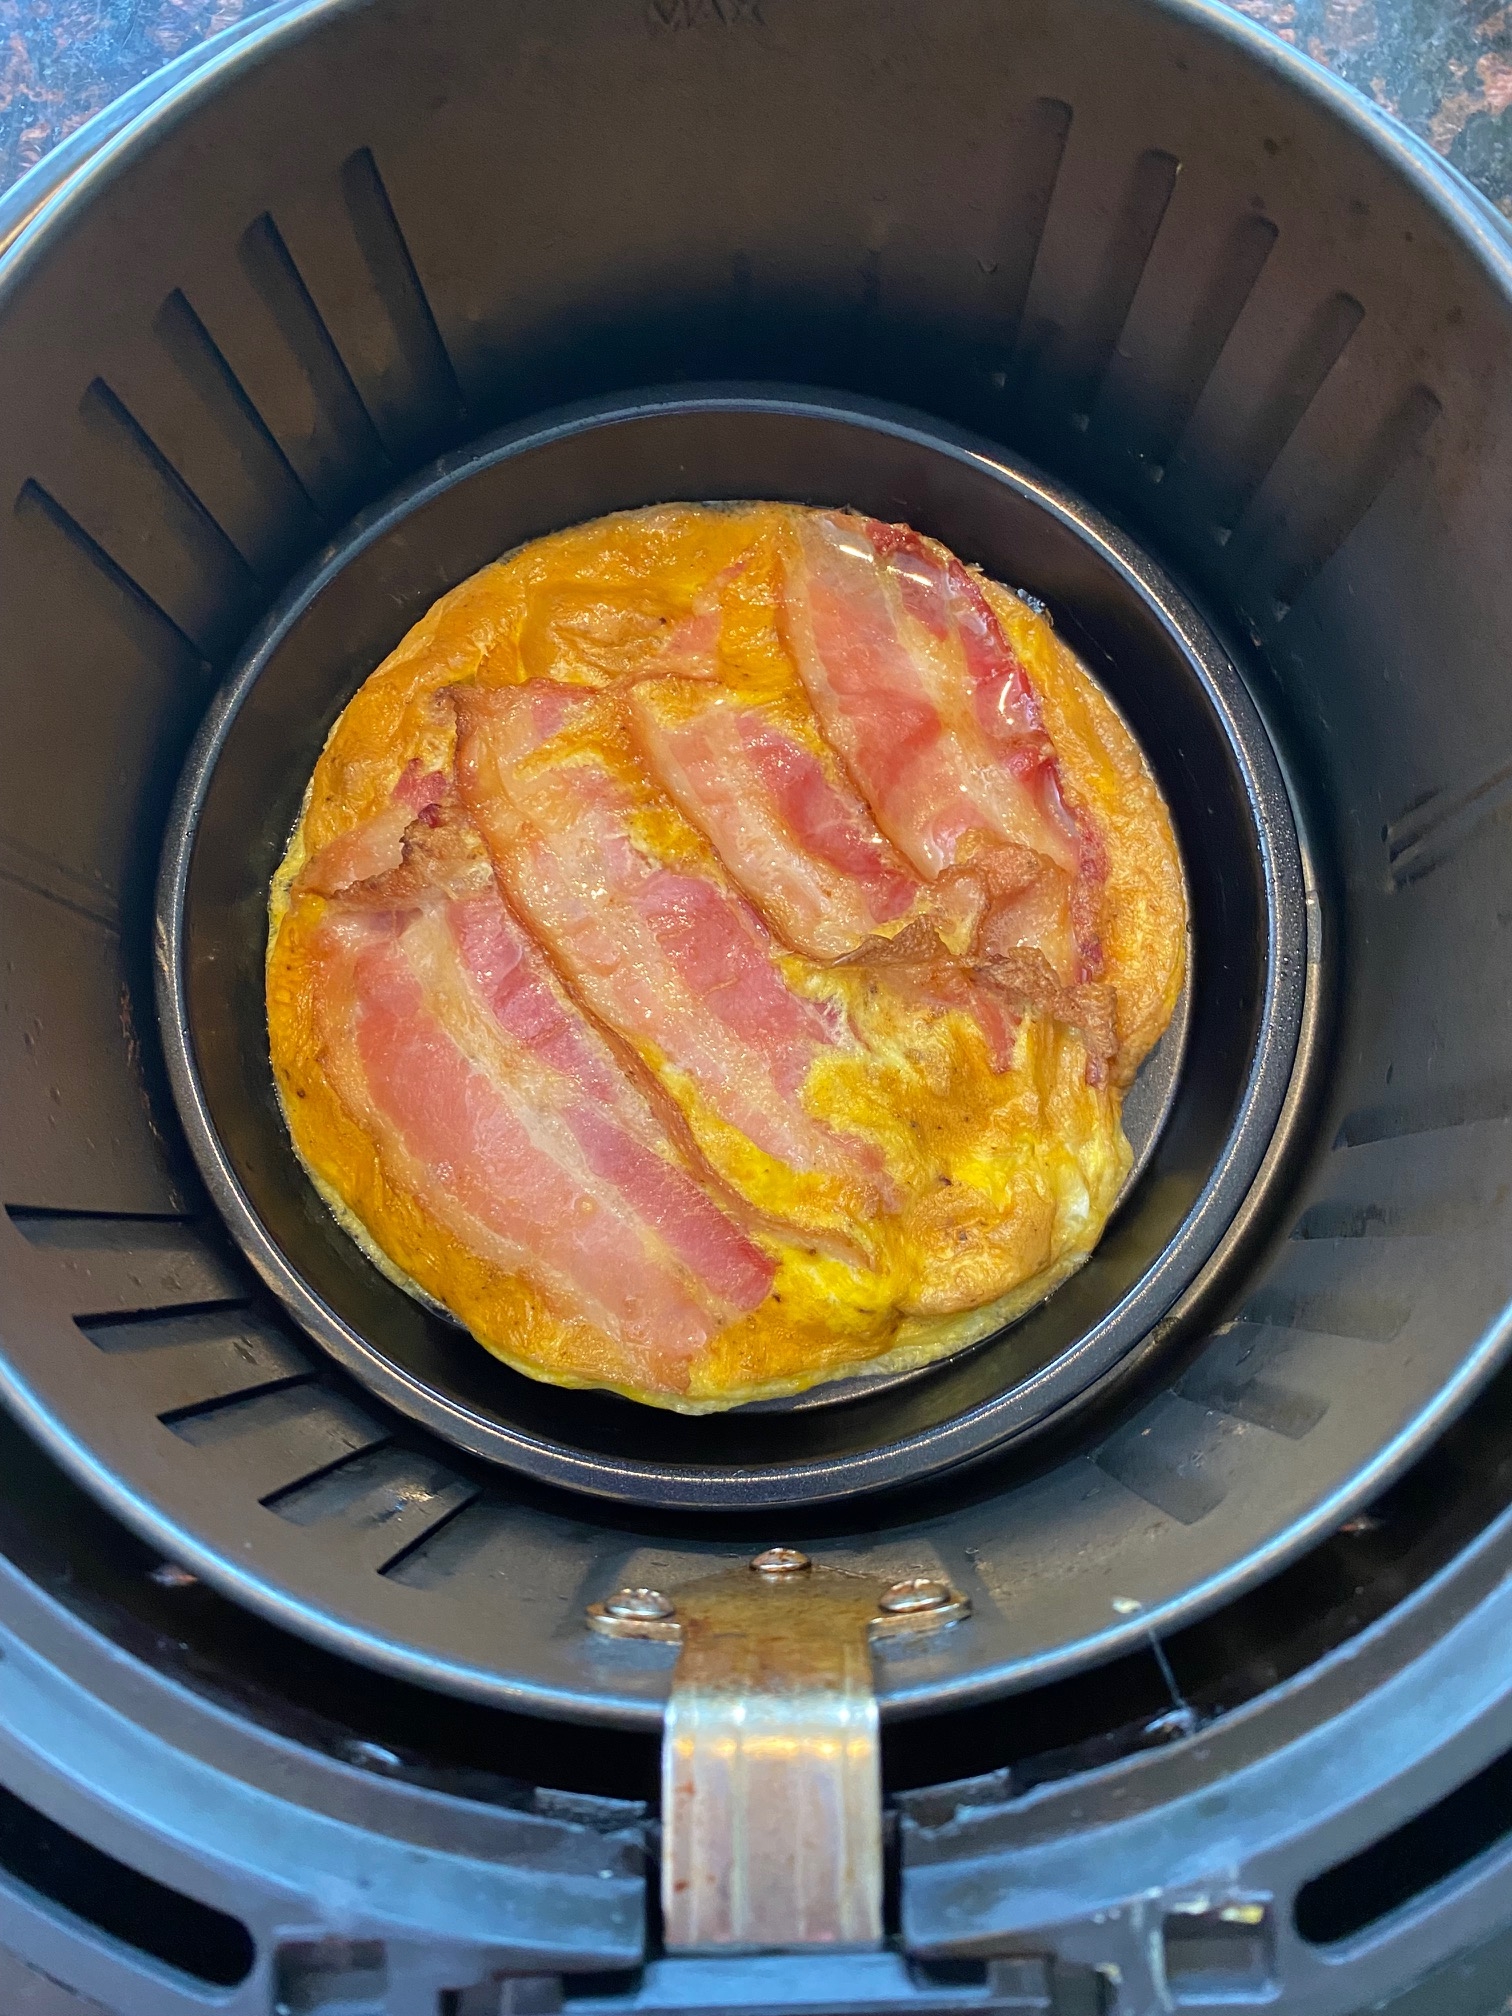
[(790, 829), (667, 955), (508, 1114), (918, 689), (373, 846), (613, 1123)]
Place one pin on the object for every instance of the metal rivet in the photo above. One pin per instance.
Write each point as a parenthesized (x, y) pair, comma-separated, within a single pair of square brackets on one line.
[(922, 1593), (781, 1561), (639, 1603)]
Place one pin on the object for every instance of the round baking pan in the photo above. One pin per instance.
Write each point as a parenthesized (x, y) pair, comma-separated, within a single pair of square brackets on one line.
[(1204, 1126)]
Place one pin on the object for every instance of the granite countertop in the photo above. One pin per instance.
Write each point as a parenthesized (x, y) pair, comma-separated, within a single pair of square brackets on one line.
[(1442, 66)]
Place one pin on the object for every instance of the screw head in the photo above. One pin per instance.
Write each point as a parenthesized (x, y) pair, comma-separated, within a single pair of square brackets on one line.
[(922, 1593), (639, 1603), (775, 1561)]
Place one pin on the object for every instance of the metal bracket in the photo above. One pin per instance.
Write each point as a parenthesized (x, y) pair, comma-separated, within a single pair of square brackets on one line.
[(771, 1784)]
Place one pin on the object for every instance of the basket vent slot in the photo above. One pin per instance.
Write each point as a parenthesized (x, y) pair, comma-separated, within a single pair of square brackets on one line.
[(1239, 1375), (40, 875), (344, 443), (1161, 1456), (224, 584), (1427, 1850), (1222, 302), (1041, 149), (182, 1362), (275, 517), (111, 1265), (1425, 1112), (426, 405), (151, 630), (1432, 831), (1296, 384), (1329, 1312), (1145, 201), (1394, 444), (270, 1442), (379, 1504), (1440, 1217), (88, 1884)]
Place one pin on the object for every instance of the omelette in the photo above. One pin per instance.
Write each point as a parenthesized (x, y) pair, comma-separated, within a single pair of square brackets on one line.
[(713, 951)]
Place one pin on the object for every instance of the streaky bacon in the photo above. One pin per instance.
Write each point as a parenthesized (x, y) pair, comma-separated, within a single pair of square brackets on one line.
[(667, 955), (997, 990), (948, 599), (791, 831), (420, 788), (448, 1035), (916, 686), (374, 846)]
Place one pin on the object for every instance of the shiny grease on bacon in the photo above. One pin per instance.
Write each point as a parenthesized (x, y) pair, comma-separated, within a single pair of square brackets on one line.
[(760, 860), (655, 941)]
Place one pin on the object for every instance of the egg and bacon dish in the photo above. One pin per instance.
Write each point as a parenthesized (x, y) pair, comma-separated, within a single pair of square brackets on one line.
[(714, 949)]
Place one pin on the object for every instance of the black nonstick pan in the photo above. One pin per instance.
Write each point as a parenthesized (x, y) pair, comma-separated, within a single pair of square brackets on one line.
[(1204, 1113)]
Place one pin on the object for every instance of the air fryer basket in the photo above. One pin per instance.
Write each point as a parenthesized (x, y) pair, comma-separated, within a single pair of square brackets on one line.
[(1194, 282)]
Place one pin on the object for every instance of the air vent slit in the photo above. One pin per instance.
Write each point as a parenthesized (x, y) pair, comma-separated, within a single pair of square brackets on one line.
[(143, 1267), (1162, 1456), (36, 882), (386, 252), (270, 266), (94, 1889), (41, 1215), (151, 628), (269, 1499), (1036, 174), (432, 1532), (1213, 320), (1426, 1112), (1326, 1223), (1265, 1403), (1399, 438), (120, 1319), (1429, 1850), (1152, 183), (1298, 380), (177, 1365), (107, 414), (1183, 1494), (1431, 832), (352, 1460), (203, 365), (34, 869), (1341, 1219), (174, 1417), (1370, 1318)]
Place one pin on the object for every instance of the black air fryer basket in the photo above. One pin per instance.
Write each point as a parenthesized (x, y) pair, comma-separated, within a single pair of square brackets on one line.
[(1133, 307)]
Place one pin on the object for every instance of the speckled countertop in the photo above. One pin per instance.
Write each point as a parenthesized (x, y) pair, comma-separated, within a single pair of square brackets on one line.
[(1443, 66)]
